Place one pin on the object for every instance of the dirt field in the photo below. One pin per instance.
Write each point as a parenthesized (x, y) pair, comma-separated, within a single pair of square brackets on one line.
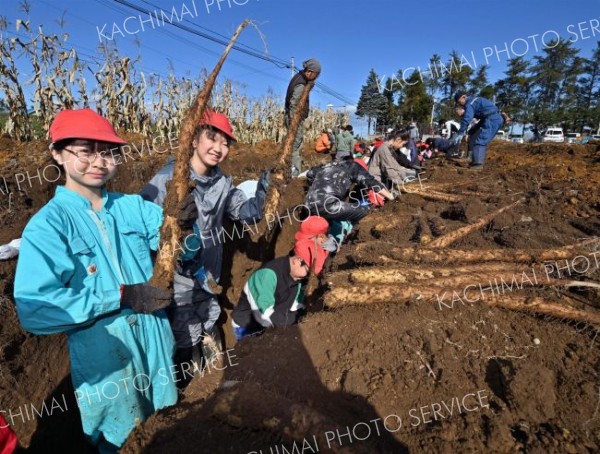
[(406, 375)]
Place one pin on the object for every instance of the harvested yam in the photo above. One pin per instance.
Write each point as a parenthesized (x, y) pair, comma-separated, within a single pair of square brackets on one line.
[(178, 189), (281, 174), (399, 275), (453, 237), (365, 252), (539, 305), (347, 296)]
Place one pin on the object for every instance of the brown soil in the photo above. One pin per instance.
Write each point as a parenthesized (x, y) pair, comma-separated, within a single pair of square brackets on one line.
[(342, 369)]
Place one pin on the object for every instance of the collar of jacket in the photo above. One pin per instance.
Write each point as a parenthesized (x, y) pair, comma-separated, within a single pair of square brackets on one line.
[(72, 198), (214, 174)]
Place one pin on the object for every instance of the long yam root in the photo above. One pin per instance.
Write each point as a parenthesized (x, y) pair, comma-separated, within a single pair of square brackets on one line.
[(179, 187), (453, 237)]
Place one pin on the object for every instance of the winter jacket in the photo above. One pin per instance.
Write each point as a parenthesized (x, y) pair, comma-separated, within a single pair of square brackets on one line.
[(71, 265), (323, 143), (216, 197), (479, 108), (293, 94), (384, 166), (344, 142), (332, 182), (271, 296)]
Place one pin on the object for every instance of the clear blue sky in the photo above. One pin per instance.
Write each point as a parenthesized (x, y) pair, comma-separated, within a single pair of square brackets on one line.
[(349, 36)]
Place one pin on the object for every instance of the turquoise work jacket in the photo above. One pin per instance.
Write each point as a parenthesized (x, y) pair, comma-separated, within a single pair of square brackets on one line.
[(71, 265)]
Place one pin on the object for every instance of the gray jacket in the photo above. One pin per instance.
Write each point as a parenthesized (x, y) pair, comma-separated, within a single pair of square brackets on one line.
[(215, 197), (383, 165)]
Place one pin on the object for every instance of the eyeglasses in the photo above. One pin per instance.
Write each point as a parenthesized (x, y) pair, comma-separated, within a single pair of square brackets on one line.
[(87, 155), (303, 263)]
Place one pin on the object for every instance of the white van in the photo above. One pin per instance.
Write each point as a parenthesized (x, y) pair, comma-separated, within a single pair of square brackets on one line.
[(501, 135), (554, 135), (573, 137)]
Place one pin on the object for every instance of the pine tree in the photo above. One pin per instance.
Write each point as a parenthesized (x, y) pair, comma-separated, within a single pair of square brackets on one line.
[(416, 104), (372, 104), (513, 93), (588, 96), (554, 75)]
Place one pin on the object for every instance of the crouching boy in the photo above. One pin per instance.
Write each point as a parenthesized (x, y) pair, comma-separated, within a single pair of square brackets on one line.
[(273, 295)]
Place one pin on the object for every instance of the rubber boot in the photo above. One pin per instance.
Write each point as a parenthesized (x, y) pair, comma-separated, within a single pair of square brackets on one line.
[(478, 157)]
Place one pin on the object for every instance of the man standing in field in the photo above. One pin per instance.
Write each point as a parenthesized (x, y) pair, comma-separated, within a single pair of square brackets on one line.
[(311, 70), (490, 119)]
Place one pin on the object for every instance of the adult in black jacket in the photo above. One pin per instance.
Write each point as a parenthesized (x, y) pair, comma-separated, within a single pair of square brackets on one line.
[(330, 185)]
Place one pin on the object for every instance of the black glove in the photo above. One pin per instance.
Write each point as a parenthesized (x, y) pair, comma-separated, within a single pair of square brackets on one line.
[(265, 180), (188, 212), (144, 298)]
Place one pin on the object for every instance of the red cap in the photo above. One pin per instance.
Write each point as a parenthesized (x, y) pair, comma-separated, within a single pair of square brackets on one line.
[(218, 121), (312, 254), (83, 124), (311, 227), (361, 163)]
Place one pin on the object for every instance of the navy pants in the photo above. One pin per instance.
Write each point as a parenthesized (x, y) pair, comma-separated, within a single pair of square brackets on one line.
[(480, 140)]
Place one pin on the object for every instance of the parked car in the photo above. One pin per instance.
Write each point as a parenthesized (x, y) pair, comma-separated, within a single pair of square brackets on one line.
[(501, 135), (595, 137), (516, 138), (572, 137), (553, 135)]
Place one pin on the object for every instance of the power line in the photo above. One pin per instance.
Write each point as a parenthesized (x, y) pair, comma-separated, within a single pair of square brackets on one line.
[(219, 39)]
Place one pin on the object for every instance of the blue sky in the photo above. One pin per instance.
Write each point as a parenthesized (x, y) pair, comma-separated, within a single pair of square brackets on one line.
[(349, 36)]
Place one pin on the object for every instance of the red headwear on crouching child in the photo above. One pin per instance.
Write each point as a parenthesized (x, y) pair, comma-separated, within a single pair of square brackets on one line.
[(313, 254), (311, 227)]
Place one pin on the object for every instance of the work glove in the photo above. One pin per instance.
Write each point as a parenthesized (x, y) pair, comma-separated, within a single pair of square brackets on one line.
[(264, 181), (456, 139), (188, 212), (330, 244), (144, 298)]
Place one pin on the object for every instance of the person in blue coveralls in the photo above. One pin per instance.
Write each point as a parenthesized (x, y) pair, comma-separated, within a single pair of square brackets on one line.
[(490, 119), (83, 269)]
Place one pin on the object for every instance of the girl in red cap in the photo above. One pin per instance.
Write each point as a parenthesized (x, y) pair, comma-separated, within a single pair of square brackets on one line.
[(196, 308), (82, 270)]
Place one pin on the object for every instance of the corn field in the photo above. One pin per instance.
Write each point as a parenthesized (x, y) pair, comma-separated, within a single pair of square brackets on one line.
[(130, 99)]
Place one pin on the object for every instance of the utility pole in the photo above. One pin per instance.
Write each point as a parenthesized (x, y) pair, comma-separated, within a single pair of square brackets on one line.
[(293, 66)]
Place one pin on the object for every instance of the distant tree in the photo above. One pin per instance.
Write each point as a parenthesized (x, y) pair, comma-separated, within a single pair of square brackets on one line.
[(456, 75), (588, 95), (416, 103), (554, 76), (3, 105), (513, 93), (478, 81), (433, 81), (391, 116), (372, 104)]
